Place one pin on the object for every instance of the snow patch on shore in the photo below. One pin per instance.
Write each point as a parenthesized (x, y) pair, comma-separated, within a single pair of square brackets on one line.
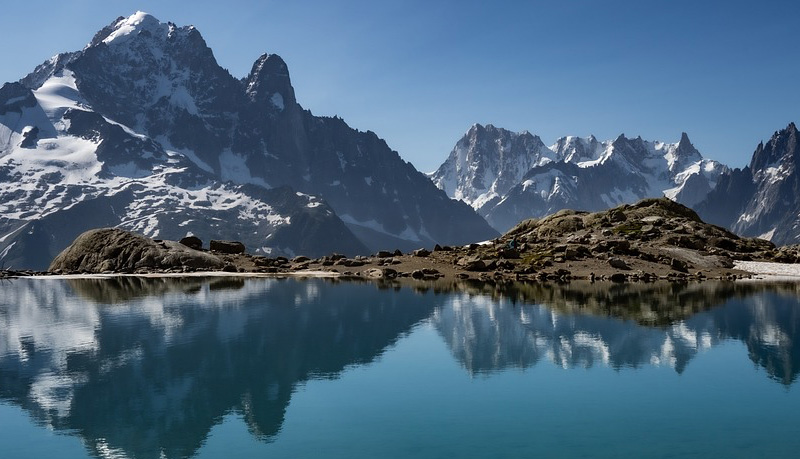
[(770, 269)]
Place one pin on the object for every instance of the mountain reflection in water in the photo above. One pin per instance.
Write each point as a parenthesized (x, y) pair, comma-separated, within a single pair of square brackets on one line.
[(150, 365)]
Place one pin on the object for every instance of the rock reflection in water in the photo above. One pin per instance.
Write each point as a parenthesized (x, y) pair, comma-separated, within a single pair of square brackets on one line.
[(149, 365)]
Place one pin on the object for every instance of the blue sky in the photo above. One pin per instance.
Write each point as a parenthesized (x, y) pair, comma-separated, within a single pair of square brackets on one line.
[(419, 73)]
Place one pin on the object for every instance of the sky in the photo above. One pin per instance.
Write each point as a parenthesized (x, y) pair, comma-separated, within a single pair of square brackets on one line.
[(420, 73)]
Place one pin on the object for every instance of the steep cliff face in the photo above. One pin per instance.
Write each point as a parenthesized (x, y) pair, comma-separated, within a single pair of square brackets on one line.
[(761, 199)]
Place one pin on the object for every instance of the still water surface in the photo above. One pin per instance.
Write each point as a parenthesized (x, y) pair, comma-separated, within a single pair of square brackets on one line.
[(228, 367)]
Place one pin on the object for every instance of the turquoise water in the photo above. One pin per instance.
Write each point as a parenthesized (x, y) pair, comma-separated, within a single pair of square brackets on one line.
[(283, 368)]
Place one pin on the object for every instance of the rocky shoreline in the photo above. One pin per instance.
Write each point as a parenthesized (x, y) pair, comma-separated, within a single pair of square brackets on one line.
[(654, 239)]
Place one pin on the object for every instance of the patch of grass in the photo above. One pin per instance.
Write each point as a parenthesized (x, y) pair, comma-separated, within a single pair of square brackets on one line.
[(530, 258), (628, 228)]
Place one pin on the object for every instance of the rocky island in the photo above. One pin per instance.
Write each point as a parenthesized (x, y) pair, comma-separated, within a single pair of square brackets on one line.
[(650, 240)]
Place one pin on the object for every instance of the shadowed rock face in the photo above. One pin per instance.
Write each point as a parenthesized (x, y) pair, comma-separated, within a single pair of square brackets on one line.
[(761, 199), (116, 250)]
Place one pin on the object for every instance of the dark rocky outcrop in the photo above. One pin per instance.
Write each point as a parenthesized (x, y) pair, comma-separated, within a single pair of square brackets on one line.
[(230, 247), (116, 250), (193, 242)]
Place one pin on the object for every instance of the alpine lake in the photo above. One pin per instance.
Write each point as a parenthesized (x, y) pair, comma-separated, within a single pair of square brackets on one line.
[(213, 367)]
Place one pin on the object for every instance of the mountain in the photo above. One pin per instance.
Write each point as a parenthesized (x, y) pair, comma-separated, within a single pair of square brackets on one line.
[(509, 177), (487, 162), (144, 130), (761, 199)]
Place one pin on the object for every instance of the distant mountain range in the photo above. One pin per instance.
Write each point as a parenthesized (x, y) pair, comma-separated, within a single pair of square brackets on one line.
[(142, 129), (508, 177)]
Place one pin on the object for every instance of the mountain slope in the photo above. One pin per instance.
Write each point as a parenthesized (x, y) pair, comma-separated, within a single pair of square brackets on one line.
[(145, 108), (575, 173), (761, 199), (64, 170)]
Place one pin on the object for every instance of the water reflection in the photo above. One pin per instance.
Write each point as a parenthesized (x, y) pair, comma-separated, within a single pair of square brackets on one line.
[(489, 328), (149, 365), (152, 365)]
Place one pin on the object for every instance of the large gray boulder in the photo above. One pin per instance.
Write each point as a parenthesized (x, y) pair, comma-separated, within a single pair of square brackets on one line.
[(116, 250)]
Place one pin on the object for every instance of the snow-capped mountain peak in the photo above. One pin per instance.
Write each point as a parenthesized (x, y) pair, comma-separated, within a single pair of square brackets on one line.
[(137, 23), (143, 129), (575, 172), (488, 161)]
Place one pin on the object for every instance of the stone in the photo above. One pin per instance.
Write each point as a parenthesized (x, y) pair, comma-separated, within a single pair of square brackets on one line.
[(417, 274), (618, 263), (509, 253), (117, 250), (229, 247), (679, 265), (422, 253), (653, 220), (193, 242), (618, 277), (383, 254), (472, 264), (300, 259), (617, 216)]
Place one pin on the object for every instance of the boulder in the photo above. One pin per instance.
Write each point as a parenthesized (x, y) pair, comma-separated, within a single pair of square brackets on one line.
[(618, 263), (381, 273), (472, 264), (193, 242), (679, 265), (422, 252), (230, 247), (117, 250)]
